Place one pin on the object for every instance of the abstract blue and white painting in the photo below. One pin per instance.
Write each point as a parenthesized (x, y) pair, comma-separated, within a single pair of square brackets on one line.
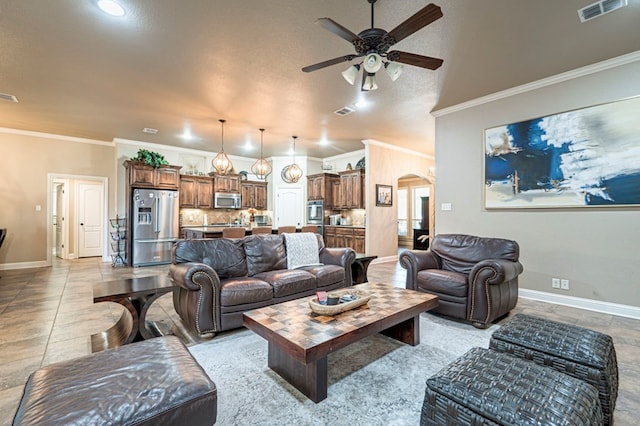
[(586, 157)]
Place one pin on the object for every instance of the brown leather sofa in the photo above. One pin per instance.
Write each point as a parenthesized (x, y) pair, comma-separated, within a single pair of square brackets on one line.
[(475, 278), (219, 279)]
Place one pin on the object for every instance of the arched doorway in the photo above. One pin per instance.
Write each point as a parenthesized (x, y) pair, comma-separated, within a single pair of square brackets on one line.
[(415, 204)]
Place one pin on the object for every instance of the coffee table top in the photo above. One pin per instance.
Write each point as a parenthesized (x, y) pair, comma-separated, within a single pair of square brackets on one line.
[(308, 336)]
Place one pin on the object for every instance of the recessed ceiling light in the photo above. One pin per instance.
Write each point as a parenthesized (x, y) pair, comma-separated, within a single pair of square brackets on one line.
[(111, 7), (186, 135)]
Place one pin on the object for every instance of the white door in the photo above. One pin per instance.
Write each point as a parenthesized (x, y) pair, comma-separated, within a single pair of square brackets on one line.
[(90, 218), (60, 220), (289, 208)]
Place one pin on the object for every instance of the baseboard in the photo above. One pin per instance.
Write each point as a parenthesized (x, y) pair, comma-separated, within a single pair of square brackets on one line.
[(581, 303), (385, 259), (23, 265)]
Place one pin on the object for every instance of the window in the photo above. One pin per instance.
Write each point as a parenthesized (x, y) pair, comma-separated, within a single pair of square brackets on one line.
[(403, 210)]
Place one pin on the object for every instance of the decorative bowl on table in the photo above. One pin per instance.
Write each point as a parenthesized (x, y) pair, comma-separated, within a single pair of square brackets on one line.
[(349, 299)]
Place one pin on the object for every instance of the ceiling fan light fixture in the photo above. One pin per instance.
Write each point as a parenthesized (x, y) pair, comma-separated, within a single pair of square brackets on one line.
[(370, 82), (221, 162), (351, 73), (261, 168), (372, 63), (393, 69)]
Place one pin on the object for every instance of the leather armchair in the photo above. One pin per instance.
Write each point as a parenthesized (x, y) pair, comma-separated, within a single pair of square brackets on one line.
[(475, 278)]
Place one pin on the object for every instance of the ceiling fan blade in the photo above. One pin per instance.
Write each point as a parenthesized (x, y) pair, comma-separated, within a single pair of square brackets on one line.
[(337, 29), (328, 63), (419, 20), (415, 60)]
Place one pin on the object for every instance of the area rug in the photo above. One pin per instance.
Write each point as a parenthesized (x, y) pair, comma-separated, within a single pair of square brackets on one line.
[(376, 381)]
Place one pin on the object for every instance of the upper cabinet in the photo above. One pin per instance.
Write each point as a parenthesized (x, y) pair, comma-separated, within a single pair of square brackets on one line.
[(226, 183), (254, 195), (352, 189), (321, 187), (196, 192), (142, 176)]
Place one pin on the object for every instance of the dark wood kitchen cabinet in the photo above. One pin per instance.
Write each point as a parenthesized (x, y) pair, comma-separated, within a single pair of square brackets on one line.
[(319, 187), (196, 192), (226, 183), (139, 175), (253, 195), (352, 189), (345, 236)]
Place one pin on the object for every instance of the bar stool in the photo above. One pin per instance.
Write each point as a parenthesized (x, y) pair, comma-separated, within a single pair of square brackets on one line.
[(310, 228), (287, 229), (261, 230), (233, 232)]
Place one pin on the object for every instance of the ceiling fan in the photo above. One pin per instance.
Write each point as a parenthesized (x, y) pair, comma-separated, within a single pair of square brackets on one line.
[(374, 43)]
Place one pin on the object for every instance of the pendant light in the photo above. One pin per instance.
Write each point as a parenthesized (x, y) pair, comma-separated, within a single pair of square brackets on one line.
[(261, 168), (294, 172), (221, 163)]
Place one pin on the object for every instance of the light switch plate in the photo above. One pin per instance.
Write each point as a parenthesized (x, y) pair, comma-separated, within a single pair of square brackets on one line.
[(445, 207)]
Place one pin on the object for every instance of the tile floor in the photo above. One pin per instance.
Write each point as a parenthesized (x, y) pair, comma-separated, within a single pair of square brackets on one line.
[(47, 315)]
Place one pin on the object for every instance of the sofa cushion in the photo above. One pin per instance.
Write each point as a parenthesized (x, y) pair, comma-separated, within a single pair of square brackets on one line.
[(289, 281), (443, 282), (326, 275), (243, 290), (225, 256), (265, 252)]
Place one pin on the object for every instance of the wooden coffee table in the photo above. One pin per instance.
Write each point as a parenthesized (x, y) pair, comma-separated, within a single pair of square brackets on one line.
[(300, 340)]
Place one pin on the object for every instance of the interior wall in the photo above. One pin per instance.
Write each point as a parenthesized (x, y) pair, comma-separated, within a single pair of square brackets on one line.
[(385, 165), (26, 161), (596, 249)]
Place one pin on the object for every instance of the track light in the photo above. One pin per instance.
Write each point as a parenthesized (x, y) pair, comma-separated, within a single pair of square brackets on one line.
[(394, 70), (351, 73), (369, 82)]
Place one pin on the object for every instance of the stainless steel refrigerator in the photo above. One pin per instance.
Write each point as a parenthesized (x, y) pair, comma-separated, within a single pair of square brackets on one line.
[(155, 225)]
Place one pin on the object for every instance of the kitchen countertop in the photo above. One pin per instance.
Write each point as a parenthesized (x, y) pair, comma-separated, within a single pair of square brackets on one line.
[(346, 226)]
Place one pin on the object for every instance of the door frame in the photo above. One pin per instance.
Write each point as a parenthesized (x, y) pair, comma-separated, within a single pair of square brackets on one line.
[(72, 200), (65, 209)]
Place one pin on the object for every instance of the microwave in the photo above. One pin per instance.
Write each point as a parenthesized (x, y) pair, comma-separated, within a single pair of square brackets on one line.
[(225, 200)]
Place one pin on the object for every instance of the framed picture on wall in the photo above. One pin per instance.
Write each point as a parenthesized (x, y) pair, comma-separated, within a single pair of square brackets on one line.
[(588, 157), (384, 195)]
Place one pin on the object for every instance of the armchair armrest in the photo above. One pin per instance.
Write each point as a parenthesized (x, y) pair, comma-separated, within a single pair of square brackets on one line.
[(342, 257), (495, 271), (417, 260)]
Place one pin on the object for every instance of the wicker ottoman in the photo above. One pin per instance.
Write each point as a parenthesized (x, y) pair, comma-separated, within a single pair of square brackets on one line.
[(155, 382), (579, 352), (486, 387)]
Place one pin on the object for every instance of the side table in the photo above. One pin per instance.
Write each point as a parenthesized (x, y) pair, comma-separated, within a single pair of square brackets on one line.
[(136, 295), (360, 266)]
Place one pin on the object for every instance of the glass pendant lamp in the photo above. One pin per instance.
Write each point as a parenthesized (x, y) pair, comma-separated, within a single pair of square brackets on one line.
[(221, 163), (294, 172), (261, 168)]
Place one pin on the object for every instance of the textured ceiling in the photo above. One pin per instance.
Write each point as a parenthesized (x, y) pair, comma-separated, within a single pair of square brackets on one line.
[(173, 64)]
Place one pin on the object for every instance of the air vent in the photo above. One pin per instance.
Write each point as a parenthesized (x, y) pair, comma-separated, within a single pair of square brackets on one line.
[(8, 97), (600, 8), (344, 111), (150, 130)]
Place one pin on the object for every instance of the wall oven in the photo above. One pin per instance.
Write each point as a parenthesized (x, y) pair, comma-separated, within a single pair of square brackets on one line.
[(315, 212)]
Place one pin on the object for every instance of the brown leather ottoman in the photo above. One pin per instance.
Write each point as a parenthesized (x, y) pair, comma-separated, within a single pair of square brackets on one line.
[(579, 352), (154, 382)]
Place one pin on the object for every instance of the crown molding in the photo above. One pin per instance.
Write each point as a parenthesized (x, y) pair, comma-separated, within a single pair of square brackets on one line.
[(538, 84), (385, 145), (54, 136)]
